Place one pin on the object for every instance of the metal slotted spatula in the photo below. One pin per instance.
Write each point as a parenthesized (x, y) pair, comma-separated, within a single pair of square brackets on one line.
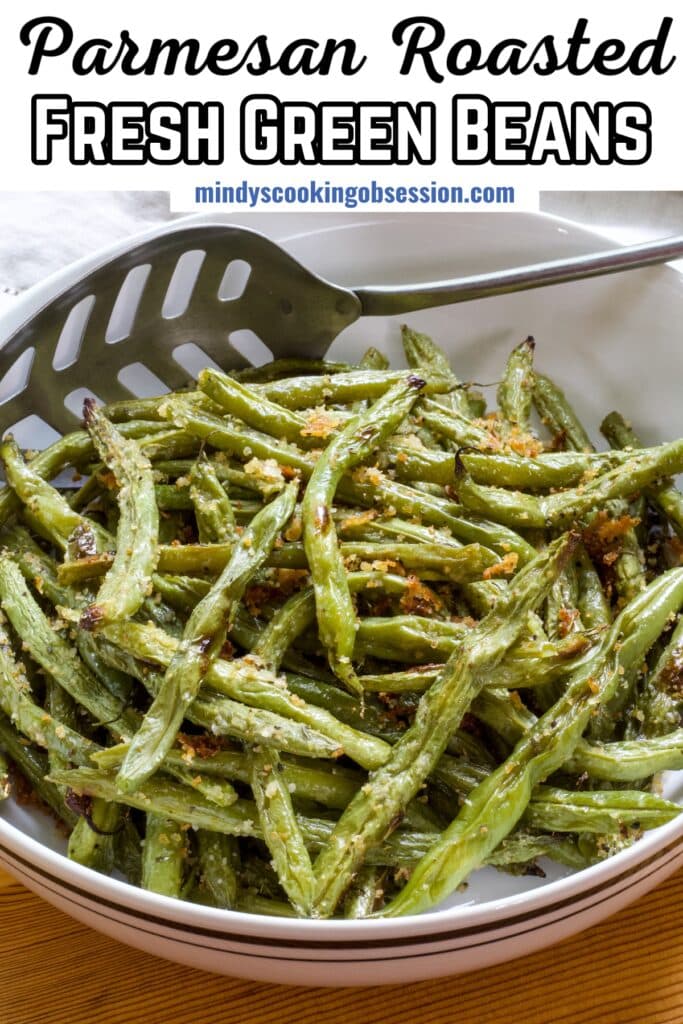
[(206, 284)]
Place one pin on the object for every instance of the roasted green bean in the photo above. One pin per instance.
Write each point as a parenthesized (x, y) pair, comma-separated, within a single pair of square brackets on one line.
[(313, 630)]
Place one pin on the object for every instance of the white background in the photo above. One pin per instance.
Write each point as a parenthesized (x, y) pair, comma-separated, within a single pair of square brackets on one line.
[(371, 26)]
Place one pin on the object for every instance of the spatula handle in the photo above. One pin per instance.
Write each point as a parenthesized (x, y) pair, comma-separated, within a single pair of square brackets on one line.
[(387, 300)]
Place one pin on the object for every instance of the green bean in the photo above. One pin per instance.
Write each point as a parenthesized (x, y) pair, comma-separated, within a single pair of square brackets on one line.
[(600, 812), (252, 903), (218, 858), (425, 356), (521, 848), (164, 798), (411, 463), (502, 469), (455, 426), (422, 353), (557, 414), (181, 592), (510, 508), (496, 805), (146, 408), (118, 683), (562, 619), (359, 438), (414, 639), (513, 508), (217, 791), (173, 802), (203, 638), (661, 703), (473, 748), (177, 498), (128, 581), (367, 716), (591, 601), (72, 449), (40, 570), (55, 656), (562, 615), (164, 856), (373, 488), (479, 595), (224, 717), (413, 680), (405, 849), (254, 409), (174, 443), (343, 388), (321, 782), (213, 509), (230, 474), (628, 760), (128, 851), (183, 559), (429, 561), (228, 436), (515, 389), (557, 810), (91, 842), (667, 496), (250, 684), (264, 715), (50, 512), (373, 359), (38, 725), (33, 765), (287, 366), (288, 623), (173, 498), (370, 814), (36, 566), (280, 828), (361, 899), (629, 569), (503, 712)]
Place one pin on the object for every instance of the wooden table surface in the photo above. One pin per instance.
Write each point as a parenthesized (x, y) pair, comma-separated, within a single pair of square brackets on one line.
[(628, 970)]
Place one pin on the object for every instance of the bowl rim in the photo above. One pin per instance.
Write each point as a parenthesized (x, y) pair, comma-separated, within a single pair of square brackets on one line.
[(500, 911)]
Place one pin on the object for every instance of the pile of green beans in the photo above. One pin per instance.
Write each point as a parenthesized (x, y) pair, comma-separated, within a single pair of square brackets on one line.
[(320, 640)]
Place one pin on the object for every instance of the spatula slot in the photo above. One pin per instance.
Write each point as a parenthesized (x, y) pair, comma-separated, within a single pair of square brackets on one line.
[(33, 432), (141, 382), (70, 340), (182, 283), (249, 345), (16, 378), (192, 358), (234, 280), (126, 305), (74, 400)]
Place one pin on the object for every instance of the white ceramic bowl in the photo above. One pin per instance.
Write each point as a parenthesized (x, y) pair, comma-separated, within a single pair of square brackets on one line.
[(612, 343)]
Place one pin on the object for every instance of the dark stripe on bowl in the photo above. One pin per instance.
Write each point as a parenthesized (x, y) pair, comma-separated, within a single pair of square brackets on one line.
[(539, 926)]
